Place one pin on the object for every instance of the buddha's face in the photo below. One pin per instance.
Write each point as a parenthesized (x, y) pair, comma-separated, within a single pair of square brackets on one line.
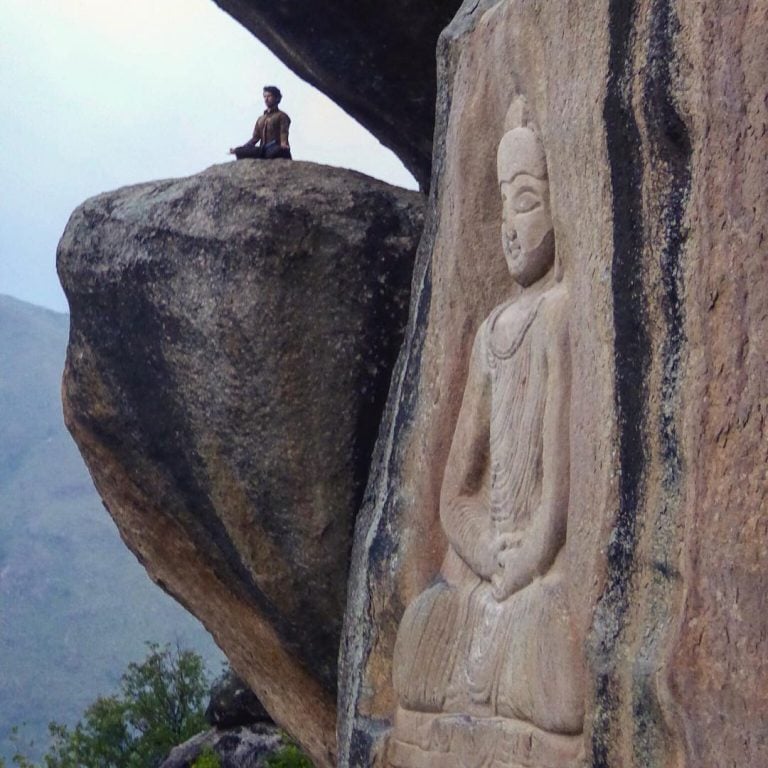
[(527, 233)]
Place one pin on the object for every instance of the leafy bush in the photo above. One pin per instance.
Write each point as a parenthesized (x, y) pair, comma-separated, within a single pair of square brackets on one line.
[(289, 756), (206, 759)]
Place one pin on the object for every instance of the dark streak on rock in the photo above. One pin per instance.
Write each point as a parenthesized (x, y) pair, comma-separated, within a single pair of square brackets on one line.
[(671, 149), (670, 173), (632, 355), (669, 176)]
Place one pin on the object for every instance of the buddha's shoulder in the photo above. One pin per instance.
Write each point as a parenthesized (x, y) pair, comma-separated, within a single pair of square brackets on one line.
[(555, 298), (554, 317)]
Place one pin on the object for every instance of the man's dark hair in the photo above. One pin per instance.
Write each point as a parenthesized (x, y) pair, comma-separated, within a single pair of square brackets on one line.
[(274, 90)]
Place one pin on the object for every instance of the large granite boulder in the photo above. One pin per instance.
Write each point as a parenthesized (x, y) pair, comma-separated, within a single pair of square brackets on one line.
[(232, 338), (651, 116), (375, 60)]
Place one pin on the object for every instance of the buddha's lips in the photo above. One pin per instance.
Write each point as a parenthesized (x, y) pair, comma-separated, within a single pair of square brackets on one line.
[(511, 247)]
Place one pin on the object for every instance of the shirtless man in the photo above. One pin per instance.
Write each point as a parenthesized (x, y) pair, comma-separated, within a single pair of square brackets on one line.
[(270, 134)]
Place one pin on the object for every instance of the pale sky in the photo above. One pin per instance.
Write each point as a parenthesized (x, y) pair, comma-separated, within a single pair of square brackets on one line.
[(97, 94)]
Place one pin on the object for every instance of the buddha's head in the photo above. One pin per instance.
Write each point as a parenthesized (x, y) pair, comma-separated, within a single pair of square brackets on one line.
[(527, 232)]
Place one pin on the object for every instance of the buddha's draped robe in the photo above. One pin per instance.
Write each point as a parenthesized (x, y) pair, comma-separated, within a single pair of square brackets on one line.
[(459, 649)]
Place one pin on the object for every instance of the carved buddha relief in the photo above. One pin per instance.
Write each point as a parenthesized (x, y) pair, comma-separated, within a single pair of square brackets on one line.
[(486, 670)]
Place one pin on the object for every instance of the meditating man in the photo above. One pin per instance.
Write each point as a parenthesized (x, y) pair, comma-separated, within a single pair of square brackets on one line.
[(270, 134)]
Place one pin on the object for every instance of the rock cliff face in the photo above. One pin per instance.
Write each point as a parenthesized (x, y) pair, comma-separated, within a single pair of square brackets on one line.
[(652, 117), (376, 60), (232, 337)]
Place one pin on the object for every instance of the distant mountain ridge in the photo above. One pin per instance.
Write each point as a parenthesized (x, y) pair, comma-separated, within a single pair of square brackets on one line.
[(75, 606)]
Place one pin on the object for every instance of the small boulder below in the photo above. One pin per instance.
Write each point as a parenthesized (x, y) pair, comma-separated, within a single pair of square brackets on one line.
[(231, 344), (242, 747)]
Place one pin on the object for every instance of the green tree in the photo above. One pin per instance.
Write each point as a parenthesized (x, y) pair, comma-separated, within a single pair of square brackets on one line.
[(165, 697), (102, 738), (160, 704)]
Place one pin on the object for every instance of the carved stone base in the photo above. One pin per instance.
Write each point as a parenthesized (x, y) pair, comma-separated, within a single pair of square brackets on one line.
[(424, 740)]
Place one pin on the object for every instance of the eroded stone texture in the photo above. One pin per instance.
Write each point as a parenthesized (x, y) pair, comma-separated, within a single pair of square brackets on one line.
[(653, 117), (376, 60), (232, 338), (712, 251)]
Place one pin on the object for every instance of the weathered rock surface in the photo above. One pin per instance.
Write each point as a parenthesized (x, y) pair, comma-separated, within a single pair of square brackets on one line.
[(233, 703), (375, 60), (654, 121), (232, 338), (240, 747)]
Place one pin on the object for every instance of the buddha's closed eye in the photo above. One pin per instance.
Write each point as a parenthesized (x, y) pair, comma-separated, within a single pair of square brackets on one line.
[(525, 200)]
